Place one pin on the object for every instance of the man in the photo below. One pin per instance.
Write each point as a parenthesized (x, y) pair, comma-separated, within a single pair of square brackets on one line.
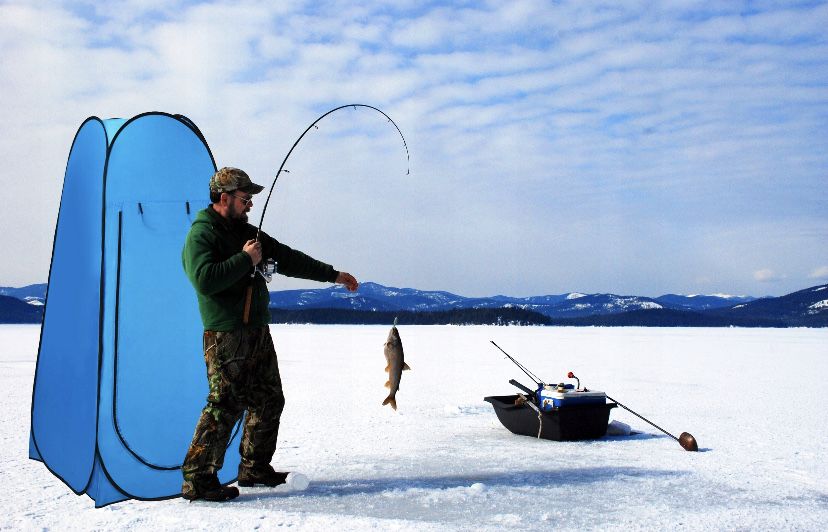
[(219, 255)]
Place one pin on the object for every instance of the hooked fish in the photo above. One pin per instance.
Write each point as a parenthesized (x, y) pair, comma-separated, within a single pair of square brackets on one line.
[(396, 364)]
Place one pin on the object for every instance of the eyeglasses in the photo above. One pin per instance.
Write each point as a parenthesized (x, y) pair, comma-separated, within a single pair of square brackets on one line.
[(245, 201)]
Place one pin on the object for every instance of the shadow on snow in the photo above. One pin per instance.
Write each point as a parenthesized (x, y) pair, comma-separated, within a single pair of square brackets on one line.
[(512, 479)]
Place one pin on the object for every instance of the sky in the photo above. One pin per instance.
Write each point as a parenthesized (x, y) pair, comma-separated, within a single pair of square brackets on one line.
[(643, 148)]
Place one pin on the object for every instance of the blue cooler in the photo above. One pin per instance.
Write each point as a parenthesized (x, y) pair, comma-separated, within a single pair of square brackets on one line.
[(550, 397)]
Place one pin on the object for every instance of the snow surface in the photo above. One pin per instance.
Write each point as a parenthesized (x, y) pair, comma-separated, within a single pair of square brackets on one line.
[(753, 398)]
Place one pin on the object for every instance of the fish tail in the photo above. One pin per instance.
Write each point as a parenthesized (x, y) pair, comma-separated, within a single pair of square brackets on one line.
[(390, 400)]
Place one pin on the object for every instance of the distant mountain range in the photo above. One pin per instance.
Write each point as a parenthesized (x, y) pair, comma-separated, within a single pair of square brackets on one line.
[(34, 293), (376, 297), (375, 303)]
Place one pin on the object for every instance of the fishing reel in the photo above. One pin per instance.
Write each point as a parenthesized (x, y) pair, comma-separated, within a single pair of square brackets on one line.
[(266, 269)]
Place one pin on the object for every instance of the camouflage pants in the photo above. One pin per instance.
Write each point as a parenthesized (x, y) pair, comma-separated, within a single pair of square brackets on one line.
[(243, 374)]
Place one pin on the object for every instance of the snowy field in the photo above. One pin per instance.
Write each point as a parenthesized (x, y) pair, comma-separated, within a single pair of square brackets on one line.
[(753, 398)]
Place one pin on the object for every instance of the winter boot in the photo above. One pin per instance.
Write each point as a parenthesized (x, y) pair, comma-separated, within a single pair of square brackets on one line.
[(209, 489), (265, 476)]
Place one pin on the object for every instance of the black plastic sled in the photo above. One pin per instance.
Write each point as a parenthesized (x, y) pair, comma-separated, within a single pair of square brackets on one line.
[(569, 423)]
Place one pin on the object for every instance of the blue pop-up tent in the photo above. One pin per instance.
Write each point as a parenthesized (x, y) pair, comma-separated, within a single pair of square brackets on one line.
[(120, 378)]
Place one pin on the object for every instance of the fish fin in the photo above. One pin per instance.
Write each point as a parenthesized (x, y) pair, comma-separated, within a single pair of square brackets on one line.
[(405, 366), (387, 368), (388, 384), (390, 400)]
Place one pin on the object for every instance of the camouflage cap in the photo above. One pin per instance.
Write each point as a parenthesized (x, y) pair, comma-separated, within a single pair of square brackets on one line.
[(229, 179)]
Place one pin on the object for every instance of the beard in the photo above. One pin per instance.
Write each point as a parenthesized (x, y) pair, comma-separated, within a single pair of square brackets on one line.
[(237, 215)]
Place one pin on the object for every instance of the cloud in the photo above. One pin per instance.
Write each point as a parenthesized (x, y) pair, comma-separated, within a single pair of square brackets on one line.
[(767, 275), (819, 273), (524, 119)]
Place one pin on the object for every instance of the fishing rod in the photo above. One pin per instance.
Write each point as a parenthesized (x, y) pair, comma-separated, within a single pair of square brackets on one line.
[(523, 368), (313, 125), (268, 269), (686, 440)]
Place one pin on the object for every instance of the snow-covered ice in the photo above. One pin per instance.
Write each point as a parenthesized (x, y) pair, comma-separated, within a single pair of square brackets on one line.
[(753, 398)]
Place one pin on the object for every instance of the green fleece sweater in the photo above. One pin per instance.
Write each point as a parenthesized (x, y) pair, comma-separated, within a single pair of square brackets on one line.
[(220, 271)]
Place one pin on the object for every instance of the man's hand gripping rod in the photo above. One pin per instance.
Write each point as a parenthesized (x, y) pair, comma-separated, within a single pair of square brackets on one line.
[(266, 268)]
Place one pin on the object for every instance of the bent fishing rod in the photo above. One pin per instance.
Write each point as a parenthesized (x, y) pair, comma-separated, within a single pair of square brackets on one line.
[(265, 272), (313, 125)]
